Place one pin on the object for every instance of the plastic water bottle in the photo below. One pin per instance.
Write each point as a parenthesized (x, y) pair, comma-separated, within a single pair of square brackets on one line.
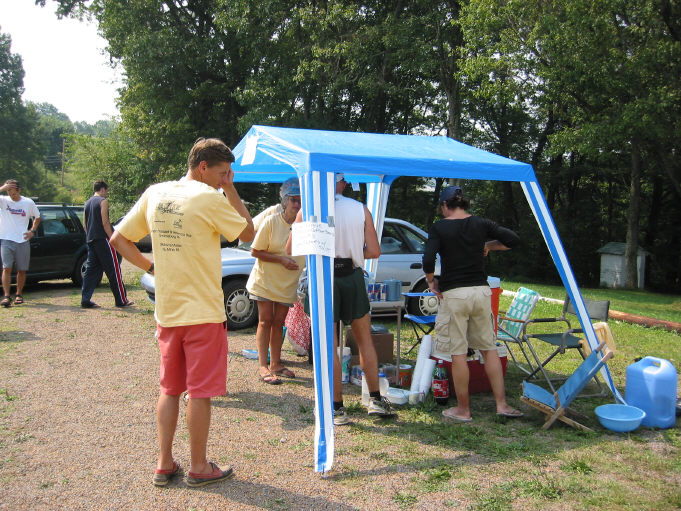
[(345, 364), (440, 384), (365, 390), (383, 384)]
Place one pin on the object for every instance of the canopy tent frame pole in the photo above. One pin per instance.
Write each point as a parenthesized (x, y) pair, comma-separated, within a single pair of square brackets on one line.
[(377, 203), (540, 209), (318, 191)]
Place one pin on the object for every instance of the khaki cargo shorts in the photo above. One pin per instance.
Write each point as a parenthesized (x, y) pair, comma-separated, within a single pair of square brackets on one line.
[(464, 320)]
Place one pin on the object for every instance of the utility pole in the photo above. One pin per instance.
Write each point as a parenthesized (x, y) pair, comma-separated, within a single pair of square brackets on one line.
[(63, 149)]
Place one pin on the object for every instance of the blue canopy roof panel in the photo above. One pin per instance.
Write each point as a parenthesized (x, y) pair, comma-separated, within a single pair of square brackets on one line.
[(273, 154)]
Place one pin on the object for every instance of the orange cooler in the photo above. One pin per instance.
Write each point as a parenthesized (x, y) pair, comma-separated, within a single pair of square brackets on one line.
[(495, 287)]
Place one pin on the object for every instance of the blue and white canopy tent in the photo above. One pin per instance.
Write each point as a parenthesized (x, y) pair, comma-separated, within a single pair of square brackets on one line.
[(271, 154)]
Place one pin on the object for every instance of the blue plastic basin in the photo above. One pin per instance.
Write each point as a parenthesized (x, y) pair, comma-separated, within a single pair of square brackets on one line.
[(620, 418)]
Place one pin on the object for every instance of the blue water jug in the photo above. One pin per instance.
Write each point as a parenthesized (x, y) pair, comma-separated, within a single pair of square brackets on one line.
[(651, 386)]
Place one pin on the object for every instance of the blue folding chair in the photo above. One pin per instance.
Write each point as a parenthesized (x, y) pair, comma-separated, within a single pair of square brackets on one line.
[(554, 406), (425, 325), (422, 325)]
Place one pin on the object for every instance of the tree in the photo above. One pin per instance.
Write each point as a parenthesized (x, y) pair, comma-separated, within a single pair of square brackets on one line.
[(17, 122), (113, 158), (609, 72), (53, 126)]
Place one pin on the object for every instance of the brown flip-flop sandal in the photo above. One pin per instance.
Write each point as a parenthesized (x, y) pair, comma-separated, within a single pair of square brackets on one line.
[(285, 371), (18, 300), (270, 379), (6, 301)]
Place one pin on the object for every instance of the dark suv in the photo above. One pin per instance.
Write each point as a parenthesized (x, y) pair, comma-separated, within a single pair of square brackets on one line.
[(58, 249)]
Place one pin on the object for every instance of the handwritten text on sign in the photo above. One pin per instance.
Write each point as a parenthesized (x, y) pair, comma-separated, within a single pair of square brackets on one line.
[(313, 238)]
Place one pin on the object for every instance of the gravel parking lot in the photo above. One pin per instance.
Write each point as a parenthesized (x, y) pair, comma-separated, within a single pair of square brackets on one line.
[(77, 424)]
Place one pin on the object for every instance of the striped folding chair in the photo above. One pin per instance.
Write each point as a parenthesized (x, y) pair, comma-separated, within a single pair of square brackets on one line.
[(510, 327), (555, 405)]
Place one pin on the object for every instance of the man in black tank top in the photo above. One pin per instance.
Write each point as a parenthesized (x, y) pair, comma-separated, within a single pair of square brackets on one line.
[(101, 256)]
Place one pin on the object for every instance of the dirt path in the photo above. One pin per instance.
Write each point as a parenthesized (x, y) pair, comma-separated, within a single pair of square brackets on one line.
[(77, 428)]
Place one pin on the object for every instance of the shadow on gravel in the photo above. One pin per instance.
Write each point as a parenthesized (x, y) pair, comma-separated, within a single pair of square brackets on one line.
[(265, 496), (18, 336), (296, 412), (51, 307)]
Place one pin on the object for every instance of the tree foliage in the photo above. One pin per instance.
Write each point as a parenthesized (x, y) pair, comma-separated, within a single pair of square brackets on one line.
[(588, 92)]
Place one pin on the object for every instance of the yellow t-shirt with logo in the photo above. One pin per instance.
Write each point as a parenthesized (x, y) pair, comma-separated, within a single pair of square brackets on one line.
[(185, 219), (272, 280)]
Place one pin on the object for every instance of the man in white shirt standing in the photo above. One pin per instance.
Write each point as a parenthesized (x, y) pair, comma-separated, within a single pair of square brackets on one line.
[(15, 214)]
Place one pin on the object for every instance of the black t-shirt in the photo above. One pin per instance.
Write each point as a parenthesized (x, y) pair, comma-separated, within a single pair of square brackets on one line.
[(461, 243), (94, 230)]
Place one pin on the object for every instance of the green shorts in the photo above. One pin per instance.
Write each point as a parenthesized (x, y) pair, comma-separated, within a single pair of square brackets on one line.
[(350, 299)]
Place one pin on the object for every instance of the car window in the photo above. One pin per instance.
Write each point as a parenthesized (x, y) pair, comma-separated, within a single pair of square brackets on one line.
[(392, 241), (417, 241), (55, 222)]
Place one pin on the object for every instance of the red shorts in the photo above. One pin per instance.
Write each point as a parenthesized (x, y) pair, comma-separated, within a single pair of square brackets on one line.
[(193, 358)]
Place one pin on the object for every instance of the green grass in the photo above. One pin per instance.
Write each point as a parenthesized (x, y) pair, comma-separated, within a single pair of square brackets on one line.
[(643, 303), (499, 464)]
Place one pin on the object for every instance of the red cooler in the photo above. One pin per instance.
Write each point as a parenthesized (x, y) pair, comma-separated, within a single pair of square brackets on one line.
[(478, 381)]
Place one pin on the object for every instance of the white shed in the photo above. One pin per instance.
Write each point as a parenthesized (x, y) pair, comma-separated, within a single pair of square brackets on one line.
[(612, 265)]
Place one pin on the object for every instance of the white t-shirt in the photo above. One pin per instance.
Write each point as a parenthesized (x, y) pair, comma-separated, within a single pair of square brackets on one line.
[(349, 229), (14, 217)]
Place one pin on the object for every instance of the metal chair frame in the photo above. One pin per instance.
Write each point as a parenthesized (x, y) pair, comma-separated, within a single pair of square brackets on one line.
[(597, 309)]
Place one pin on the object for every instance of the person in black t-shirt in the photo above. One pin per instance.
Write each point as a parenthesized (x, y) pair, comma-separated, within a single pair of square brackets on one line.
[(464, 318), (101, 256)]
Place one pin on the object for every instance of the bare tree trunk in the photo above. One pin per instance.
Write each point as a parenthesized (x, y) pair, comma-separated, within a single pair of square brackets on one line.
[(631, 251)]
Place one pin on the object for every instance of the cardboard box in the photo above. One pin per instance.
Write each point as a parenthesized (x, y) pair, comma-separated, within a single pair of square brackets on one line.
[(383, 343)]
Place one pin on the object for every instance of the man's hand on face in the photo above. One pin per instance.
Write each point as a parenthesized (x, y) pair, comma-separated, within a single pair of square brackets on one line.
[(228, 179)]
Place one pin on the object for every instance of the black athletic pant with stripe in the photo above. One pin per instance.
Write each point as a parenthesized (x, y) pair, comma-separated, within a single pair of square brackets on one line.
[(101, 258)]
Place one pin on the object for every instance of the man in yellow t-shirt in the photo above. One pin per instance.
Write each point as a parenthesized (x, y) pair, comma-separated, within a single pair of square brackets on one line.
[(185, 219)]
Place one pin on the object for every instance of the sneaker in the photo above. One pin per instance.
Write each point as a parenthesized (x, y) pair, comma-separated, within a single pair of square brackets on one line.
[(380, 406), (340, 418)]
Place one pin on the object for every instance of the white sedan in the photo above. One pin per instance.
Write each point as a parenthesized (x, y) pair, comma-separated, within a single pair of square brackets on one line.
[(402, 246)]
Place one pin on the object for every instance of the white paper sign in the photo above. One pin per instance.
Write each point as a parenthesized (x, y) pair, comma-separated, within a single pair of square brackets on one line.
[(313, 238)]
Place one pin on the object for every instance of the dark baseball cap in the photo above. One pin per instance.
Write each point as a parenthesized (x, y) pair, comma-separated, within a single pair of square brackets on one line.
[(450, 192)]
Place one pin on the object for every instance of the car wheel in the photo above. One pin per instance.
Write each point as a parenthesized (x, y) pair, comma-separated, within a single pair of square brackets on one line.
[(242, 312), (423, 305), (79, 271)]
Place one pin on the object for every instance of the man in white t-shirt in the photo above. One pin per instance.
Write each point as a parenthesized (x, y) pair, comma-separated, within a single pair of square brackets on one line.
[(15, 214)]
